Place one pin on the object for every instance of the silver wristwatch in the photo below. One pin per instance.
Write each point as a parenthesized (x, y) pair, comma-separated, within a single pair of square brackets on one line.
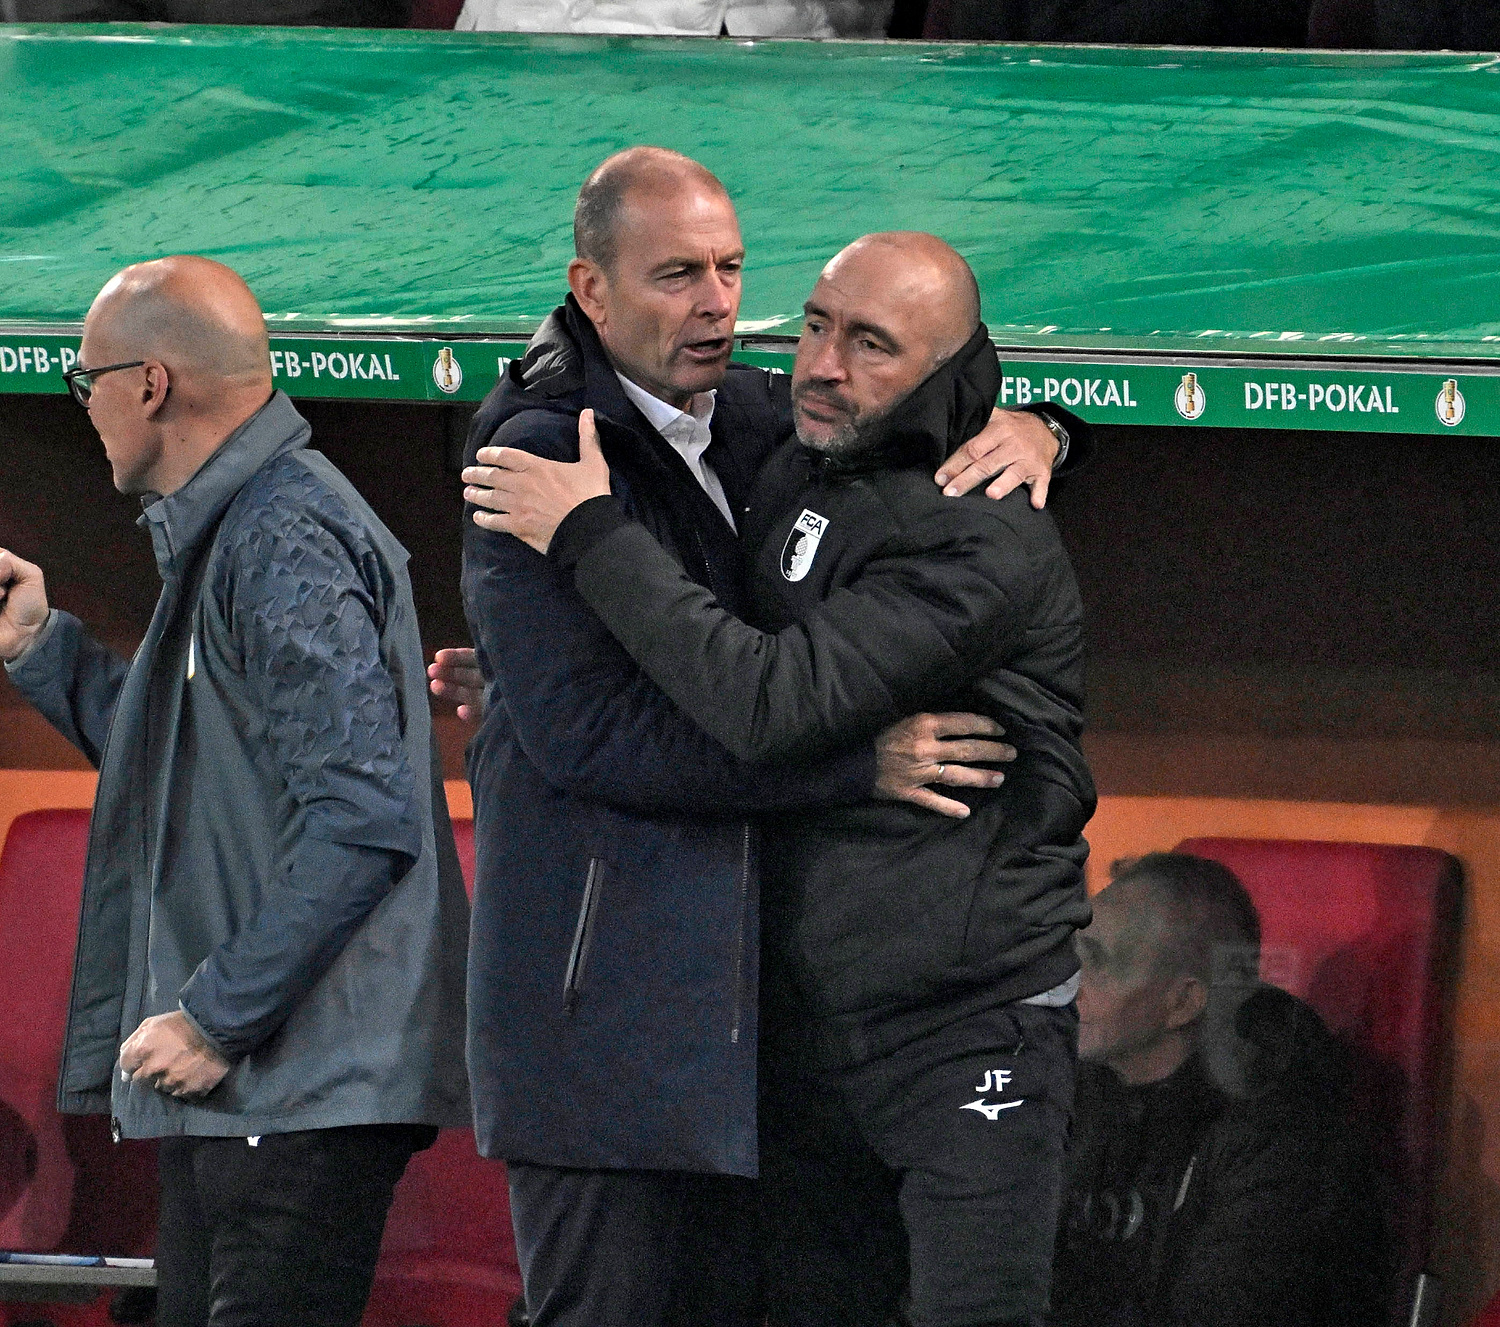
[(1061, 434)]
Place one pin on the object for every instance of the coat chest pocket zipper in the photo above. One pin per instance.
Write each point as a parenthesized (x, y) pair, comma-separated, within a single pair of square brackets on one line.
[(583, 934)]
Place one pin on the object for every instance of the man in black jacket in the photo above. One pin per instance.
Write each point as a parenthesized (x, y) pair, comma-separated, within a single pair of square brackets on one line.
[(1216, 1176), (918, 1047), (613, 969)]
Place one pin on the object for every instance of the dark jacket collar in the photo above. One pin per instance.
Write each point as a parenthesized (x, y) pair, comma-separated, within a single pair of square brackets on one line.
[(565, 363), (943, 412), (180, 522), (566, 357)]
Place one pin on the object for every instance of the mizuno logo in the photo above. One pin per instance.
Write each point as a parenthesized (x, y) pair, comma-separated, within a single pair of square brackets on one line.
[(989, 1111), (995, 1080)]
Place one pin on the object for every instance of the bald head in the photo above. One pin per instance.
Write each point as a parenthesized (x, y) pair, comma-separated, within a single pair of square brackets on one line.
[(886, 312), (922, 274), (196, 316), (637, 172), (198, 366)]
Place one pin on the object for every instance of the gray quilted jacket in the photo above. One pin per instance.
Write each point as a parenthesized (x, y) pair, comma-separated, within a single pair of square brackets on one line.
[(270, 849)]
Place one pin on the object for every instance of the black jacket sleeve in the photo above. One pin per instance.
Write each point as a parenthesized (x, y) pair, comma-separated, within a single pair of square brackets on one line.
[(922, 620), (1080, 436), (585, 714)]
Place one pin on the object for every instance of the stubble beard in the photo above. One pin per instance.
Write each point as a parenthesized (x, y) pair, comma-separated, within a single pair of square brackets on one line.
[(850, 438)]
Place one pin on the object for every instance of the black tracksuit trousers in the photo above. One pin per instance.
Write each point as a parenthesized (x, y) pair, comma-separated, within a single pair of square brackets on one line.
[(923, 1186), (282, 1234)]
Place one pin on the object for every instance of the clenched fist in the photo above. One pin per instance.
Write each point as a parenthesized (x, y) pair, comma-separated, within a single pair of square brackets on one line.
[(23, 604)]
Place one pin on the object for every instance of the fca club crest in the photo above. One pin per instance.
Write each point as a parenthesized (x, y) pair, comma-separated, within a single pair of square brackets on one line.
[(802, 545)]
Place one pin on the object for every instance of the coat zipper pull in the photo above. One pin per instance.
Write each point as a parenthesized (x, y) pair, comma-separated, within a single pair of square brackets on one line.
[(582, 936)]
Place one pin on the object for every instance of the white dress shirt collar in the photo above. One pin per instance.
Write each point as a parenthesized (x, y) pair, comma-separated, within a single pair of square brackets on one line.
[(662, 416), (687, 431)]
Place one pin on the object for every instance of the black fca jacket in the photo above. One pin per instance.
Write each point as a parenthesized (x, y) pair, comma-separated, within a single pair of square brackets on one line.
[(615, 942), (878, 597)]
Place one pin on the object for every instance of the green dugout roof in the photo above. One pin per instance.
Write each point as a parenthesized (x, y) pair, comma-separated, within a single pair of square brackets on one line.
[(1129, 212)]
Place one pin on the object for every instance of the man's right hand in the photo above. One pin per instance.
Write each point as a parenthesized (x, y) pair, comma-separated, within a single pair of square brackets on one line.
[(23, 604), (454, 675), (939, 748)]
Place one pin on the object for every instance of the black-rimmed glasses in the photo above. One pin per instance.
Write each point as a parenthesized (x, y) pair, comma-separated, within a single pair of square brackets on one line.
[(81, 381)]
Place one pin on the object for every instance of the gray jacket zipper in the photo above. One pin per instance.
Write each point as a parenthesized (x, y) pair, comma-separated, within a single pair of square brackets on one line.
[(583, 934)]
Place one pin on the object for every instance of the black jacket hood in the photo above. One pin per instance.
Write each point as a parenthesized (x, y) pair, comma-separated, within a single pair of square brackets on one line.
[(1286, 1045), (949, 406), (556, 364)]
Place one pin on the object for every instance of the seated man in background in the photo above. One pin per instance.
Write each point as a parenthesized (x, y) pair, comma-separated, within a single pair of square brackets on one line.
[(1214, 1180)]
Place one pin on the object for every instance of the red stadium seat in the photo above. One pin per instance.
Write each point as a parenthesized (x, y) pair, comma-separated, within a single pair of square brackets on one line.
[(64, 1186), (41, 875), (449, 1256), (76, 1192), (1367, 934), (463, 835)]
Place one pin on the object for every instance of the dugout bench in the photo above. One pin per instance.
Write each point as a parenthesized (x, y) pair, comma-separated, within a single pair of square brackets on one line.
[(1266, 277)]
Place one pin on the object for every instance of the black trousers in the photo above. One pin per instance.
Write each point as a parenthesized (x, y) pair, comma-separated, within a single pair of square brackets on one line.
[(284, 1233), (636, 1248), (924, 1186)]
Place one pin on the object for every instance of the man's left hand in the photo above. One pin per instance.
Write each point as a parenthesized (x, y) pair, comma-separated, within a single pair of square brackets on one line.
[(167, 1052), (527, 495), (939, 748), (1015, 448)]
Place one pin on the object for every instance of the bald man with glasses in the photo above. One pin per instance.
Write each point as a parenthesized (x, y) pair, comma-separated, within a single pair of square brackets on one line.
[(270, 963)]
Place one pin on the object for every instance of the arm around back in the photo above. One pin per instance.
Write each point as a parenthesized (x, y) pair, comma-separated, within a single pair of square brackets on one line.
[(587, 717), (925, 616)]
